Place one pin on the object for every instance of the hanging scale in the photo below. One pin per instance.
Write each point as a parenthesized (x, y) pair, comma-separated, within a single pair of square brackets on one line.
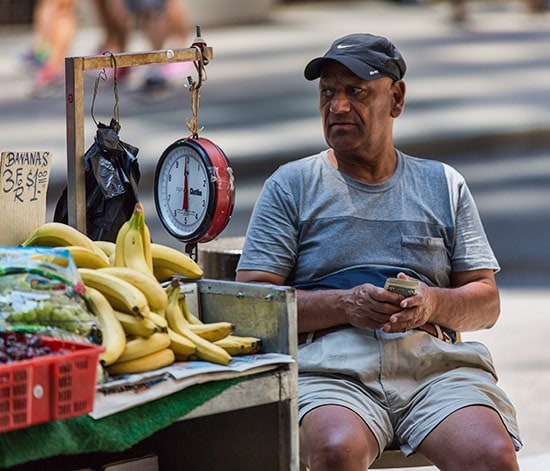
[(194, 186)]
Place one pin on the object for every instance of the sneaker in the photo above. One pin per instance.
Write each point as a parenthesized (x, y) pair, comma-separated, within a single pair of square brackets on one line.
[(46, 83), (33, 60)]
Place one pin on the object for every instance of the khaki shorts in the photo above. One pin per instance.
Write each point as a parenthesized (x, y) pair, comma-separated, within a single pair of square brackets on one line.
[(401, 385)]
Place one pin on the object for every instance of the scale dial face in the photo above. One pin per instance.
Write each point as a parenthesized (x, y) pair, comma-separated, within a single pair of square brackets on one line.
[(194, 190)]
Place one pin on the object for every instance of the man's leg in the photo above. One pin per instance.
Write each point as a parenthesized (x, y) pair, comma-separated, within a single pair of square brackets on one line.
[(334, 437), (472, 438)]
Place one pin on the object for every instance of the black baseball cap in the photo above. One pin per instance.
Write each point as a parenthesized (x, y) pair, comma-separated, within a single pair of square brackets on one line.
[(366, 55)]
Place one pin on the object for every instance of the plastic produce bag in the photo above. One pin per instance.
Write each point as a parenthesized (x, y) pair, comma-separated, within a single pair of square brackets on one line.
[(112, 178), (40, 287)]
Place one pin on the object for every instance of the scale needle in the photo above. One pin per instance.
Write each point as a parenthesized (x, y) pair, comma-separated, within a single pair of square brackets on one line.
[(185, 189)]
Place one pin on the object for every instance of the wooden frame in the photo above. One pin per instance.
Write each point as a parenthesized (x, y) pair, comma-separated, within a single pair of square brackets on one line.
[(74, 103)]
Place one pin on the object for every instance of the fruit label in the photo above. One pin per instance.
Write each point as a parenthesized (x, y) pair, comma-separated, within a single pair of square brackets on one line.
[(24, 177)]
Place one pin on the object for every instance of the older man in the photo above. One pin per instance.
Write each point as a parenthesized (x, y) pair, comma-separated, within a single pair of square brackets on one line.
[(379, 368)]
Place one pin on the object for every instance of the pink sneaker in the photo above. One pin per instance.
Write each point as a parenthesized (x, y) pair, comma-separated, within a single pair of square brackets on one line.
[(46, 83)]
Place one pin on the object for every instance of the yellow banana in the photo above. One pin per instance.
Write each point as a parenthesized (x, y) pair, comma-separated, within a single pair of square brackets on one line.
[(184, 357), (113, 338), (209, 331), (138, 347), (134, 326), (163, 274), (212, 331), (134, 250), (166, 257), (182, 346), (160, 321), (151, 362), (106, 246), (205, 350), (146, 236), (118, 259), (57, 234), (85, 258), (122, 295), (237, 345), (151, 288), (61, 261), (189, 316)]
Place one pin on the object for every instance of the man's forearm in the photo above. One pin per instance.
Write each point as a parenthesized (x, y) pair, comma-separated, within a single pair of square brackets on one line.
[(473, 306), (320, 309)]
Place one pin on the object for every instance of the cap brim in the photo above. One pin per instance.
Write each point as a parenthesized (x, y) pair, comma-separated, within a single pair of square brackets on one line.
[(362, 70)]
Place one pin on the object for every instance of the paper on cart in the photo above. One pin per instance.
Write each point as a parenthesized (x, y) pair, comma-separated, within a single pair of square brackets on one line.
[(132, 390)]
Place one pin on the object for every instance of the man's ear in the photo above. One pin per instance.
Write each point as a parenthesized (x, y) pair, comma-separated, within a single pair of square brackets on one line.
[(398, 89)]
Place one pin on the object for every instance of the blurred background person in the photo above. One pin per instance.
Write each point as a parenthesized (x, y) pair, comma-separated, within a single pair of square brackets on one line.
[(164, 23), (54, 26), (460, 9)]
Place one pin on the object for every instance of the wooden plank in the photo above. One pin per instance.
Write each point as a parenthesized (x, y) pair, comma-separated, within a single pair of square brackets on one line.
[(264, 388), (132, 59), (74, 103)]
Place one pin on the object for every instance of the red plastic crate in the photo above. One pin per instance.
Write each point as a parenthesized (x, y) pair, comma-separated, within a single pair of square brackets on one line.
[(48, 387)]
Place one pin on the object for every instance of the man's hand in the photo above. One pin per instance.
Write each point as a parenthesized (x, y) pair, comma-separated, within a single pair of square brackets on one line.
[(414, 311), (369, 306)]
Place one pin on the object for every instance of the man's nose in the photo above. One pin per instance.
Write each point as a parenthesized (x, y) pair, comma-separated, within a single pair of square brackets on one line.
[(340, 103)]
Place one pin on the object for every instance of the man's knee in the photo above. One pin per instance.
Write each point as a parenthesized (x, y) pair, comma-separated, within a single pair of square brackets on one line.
[(335, 450), (497, 454)]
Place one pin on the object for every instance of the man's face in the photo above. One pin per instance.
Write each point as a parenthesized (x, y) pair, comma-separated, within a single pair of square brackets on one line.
[(357, 114)]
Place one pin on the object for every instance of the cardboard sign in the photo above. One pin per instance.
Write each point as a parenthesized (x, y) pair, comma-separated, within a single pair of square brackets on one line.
[(24, 177)]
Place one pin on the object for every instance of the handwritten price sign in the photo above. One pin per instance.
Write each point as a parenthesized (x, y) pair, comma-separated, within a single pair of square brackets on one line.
[(24, 178)]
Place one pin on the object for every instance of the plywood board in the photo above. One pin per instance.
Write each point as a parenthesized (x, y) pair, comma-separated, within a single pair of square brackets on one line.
[(24, 177)]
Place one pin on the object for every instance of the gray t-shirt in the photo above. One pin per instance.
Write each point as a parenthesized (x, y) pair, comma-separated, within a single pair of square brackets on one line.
[(320, 229)]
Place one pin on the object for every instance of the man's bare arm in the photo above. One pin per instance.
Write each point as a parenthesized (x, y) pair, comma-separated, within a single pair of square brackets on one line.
[(472, 303)]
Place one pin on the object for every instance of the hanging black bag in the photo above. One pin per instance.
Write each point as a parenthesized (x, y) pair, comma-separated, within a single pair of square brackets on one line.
[(112, 177)]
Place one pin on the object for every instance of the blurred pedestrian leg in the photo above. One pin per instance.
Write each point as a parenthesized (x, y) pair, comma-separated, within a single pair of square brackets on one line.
[(37, 54), (459, 11), (114, 19), (59, 22)]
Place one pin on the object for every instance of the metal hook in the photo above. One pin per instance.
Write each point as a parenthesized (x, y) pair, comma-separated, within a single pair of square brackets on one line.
[(103, 76)]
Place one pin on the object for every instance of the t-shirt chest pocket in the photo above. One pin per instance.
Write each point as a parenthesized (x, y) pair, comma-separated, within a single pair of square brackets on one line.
[(425, 253)]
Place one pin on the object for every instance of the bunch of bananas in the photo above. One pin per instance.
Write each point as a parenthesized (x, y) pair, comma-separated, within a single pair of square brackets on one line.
[(144, 326), (133, 248)]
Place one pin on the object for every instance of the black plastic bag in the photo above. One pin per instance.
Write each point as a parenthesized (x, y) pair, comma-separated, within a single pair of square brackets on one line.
[(112, 178)]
